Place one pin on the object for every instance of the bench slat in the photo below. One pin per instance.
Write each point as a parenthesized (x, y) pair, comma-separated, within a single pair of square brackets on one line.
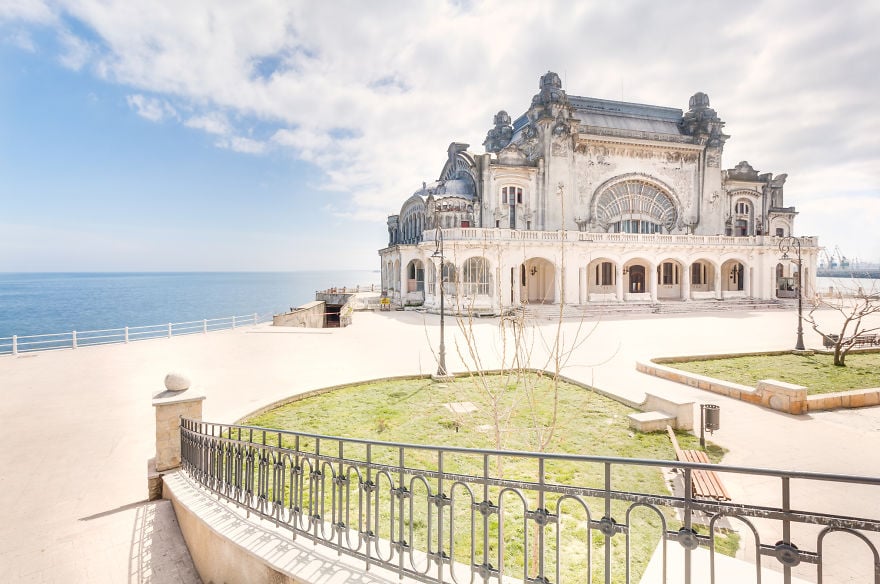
[(705, 484)]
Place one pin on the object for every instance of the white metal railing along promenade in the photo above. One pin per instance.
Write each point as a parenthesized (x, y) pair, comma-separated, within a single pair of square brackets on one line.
[(71, 340)]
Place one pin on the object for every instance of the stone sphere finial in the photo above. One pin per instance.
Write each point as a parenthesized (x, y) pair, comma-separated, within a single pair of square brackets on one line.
[(550, 79), (176, 381), (699, 99)]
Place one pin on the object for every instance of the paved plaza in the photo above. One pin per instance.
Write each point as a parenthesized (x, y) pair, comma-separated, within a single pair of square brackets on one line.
[(79, 426)]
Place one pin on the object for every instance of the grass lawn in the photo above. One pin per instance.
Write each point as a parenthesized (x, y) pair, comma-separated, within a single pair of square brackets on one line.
[(413, 411), (817, 372)]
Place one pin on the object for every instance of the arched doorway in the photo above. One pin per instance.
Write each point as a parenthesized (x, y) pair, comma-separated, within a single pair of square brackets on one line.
[(602, 280), (733, 276), (538, 281), (669, 277), (638, 284), (702, 274)]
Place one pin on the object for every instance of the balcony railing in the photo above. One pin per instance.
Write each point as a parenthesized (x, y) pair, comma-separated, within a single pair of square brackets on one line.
[(460, 515), (485, 234)]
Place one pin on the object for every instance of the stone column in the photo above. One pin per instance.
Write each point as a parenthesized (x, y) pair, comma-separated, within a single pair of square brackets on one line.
[(686, 283), (651, 272), (177, 401), (718, 294), (582, 281), (747, 280), (618, 282)]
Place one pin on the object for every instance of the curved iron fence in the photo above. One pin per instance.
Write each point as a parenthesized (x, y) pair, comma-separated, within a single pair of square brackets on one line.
[(446, 514)]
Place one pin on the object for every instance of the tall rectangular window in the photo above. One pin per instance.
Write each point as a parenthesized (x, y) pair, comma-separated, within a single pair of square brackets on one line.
[(669, 273), (698, 274), (607, 274)]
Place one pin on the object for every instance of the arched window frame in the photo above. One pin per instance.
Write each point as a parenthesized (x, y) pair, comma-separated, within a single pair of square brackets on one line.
[(449, 278), (476, 277), (635, 205)]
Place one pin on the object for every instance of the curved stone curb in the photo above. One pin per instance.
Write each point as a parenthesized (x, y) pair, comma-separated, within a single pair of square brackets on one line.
[(769, 393)]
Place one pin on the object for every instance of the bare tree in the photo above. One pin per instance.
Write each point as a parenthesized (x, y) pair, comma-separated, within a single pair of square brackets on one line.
[(856, 310), (520, 364)]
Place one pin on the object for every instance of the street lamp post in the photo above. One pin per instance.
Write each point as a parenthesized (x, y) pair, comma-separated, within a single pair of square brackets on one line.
[(787, 244), (441, 362)]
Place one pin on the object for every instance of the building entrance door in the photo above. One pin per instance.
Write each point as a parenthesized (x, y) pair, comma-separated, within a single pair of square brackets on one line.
[(636, 279)]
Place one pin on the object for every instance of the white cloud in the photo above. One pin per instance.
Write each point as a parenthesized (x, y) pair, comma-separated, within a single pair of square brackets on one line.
[(76, 51), (212, 123), (242, 144), (35, 11), (372, 96), (151, 108), (21, 39)]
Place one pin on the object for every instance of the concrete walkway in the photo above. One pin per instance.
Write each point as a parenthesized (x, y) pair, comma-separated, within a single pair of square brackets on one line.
[(79, 423)]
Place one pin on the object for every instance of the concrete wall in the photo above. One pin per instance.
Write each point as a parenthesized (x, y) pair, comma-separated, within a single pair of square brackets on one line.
[(309, 315), (217, 558), (227, 547)]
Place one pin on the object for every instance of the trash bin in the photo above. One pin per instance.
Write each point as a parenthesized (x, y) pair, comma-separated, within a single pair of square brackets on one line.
[(712, 417)]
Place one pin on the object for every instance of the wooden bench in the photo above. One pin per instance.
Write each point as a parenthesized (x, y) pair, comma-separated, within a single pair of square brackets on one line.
[(863, 340), (705, 484)]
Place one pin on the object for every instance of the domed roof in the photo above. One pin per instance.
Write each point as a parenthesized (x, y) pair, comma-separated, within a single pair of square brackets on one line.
[(457, 187)]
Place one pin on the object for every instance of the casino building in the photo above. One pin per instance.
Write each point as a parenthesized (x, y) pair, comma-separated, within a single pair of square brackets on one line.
[(586, 201)]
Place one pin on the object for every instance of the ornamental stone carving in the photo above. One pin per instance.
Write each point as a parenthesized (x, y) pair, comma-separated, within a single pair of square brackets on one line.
[(530, 145), (776, 197), (560, 147), (743, 171), (499, 136), (703, 123), (550, 92)]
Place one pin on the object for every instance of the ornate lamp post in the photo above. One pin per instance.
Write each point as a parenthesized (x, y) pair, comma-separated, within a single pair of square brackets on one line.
[(786, 244), (438, 253)]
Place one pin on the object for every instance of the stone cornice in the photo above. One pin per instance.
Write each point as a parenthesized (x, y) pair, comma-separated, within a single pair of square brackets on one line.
[(684, 145)]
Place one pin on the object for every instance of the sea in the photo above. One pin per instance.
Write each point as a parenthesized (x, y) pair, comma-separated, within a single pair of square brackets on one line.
[(847, 285), (40, 303)]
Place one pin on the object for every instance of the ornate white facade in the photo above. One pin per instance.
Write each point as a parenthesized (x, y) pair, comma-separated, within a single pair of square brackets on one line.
[(583, 200)]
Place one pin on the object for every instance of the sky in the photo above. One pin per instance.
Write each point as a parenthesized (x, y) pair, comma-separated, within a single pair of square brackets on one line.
[(279, 135)]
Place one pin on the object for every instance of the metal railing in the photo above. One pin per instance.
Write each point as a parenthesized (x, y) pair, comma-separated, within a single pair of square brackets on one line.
[(460, 515), (73, 339)]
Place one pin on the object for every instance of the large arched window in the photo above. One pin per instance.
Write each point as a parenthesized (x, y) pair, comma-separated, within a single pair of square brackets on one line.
[(743, 218), (475, 277), (415, 276), (429, 278), (635, 206), (448, 278)]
